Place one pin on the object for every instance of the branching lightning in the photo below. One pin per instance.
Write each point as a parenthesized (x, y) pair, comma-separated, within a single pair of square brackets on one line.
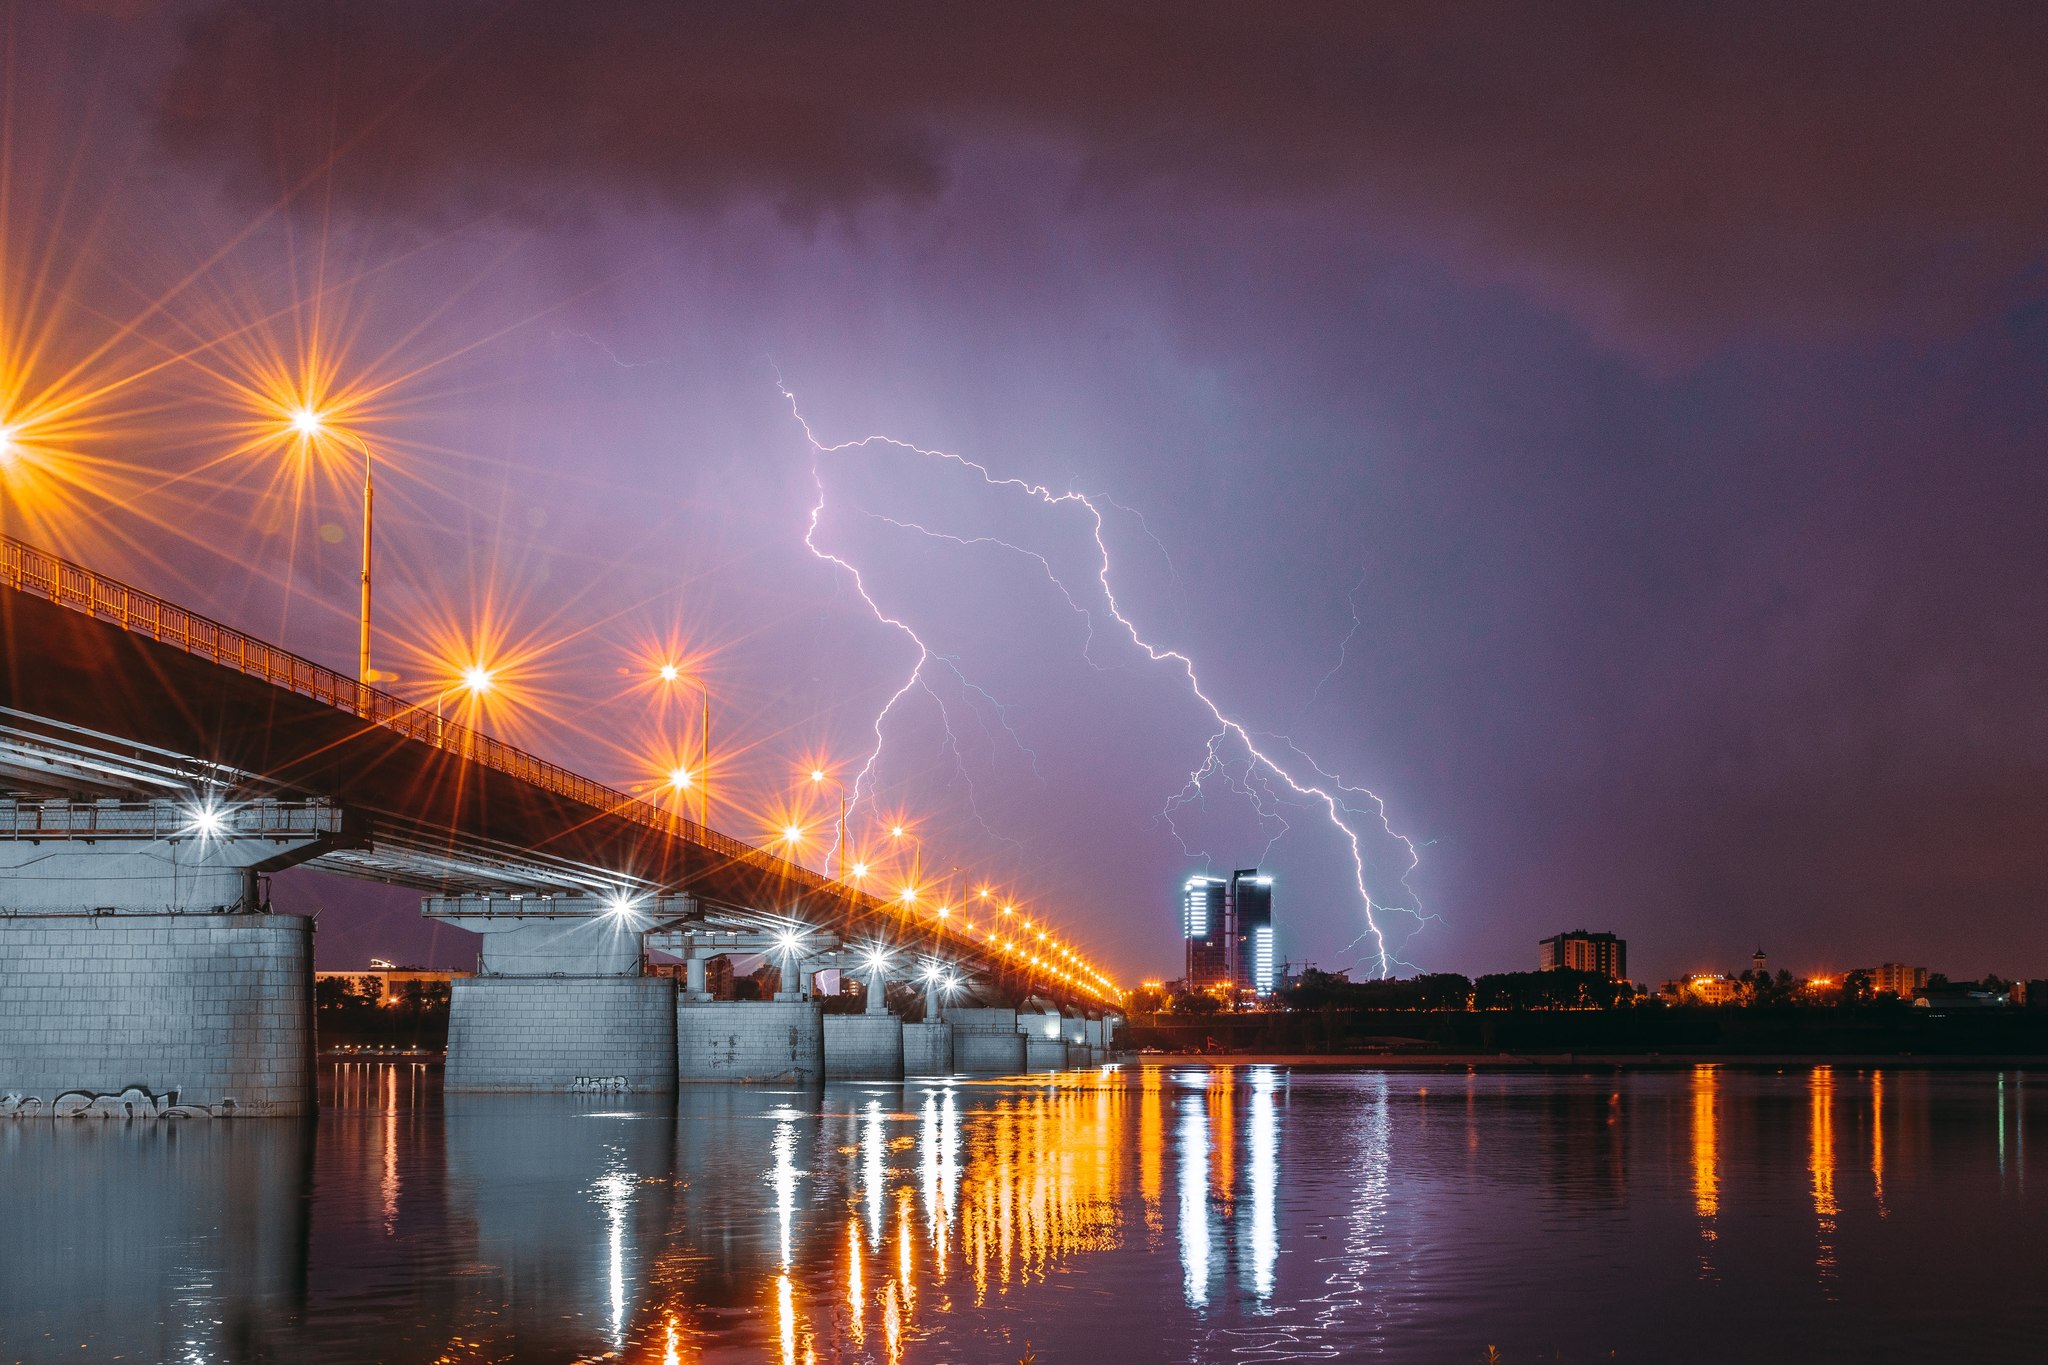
[(1243, 759)]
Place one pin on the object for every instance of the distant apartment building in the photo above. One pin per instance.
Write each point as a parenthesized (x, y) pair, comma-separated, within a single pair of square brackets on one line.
[(1584, 952), (1704, 988), (1227, 925), (1897, 978)]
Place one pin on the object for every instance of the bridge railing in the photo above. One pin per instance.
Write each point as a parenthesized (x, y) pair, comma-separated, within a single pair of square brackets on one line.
[(42, 574)]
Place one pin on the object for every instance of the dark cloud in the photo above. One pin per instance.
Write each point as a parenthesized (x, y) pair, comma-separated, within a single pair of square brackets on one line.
[(1674, 171)]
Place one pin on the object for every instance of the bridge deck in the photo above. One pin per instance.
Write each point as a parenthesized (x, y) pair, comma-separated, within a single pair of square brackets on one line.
[(107, 691)]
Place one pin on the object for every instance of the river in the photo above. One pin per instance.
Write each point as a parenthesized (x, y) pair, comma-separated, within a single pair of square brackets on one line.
[(1177, 1213)]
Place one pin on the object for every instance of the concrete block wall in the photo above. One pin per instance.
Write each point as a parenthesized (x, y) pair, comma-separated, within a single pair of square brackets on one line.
[(750, 1040), (863, 1047), (562, 1034), (927, 1049), (979, 1019), (143, 1015), (1044, 1054), (987, 1052)]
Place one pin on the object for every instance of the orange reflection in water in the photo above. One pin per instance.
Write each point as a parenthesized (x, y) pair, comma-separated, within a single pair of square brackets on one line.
[(1005, 1191), (1706, 1161), (1151, 1144), (1706, 1150), (1821, 1146)]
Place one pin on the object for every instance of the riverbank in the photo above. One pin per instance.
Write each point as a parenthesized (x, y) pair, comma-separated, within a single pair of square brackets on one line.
[(1588, 1061)]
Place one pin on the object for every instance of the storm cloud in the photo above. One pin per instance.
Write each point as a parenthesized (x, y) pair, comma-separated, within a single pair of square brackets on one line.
[(1666, 173)]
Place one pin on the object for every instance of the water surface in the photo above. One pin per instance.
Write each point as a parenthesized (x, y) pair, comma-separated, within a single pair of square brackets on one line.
[(1176, 1214)]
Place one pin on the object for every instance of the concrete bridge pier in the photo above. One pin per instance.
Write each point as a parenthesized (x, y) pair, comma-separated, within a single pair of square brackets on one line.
[(867, 1046), (928, 1045), (559, 1003), (986, 1042), (746, 1041), (141, 973)]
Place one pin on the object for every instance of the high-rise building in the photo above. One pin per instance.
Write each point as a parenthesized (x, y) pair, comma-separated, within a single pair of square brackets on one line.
[(1228, 928), (1253, 967), (1584, 952), (1204, 916)]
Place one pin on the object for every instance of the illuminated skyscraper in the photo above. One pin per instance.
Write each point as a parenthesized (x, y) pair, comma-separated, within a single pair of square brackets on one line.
[(1228, 928), (1251, 921), (1204, 924)]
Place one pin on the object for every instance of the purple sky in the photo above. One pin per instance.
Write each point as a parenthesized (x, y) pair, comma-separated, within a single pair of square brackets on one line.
[(1615, 437)]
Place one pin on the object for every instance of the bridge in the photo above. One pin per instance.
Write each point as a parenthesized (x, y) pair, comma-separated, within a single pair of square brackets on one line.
[(156, 766)]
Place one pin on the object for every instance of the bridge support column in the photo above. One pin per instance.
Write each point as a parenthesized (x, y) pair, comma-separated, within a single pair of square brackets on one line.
[(928, 1049), (986, 1042), (154, 1016), (139, 976), (750, 1041), (559, 1003), (863, 1047)]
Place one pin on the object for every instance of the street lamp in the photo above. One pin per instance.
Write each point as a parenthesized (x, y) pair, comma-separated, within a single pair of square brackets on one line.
[(671, 672), (819, 777), (476, 680), (310, 425)]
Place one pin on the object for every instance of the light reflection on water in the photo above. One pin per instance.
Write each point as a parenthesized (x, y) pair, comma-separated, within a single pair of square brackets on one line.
[(1196, 1213)]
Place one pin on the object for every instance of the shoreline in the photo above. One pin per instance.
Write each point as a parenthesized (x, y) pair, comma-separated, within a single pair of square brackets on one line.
[(1594, 1061)]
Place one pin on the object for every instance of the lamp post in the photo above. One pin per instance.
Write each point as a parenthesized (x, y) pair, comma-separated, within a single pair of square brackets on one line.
[(671, 673), (818, 779), (475, 680), (311, 424)]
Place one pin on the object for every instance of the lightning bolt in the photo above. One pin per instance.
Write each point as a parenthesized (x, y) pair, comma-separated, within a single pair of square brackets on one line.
[(1231, 746)]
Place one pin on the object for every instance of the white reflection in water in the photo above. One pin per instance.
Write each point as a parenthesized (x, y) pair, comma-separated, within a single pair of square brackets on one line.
[(872, 1169), (783, 1177), (614, 1191), (1264, 1144), (949, 1153), (1194, 1196), (1350, 1271)]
